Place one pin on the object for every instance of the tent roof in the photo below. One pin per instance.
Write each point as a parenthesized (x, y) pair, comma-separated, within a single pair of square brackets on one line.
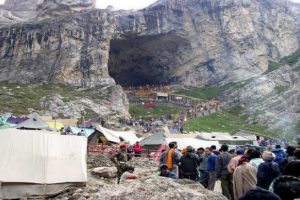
[(216, 136), (115, 136), (194, 142), (156, 139), (34, 122), (39, 157), (55, 125), (75, 130)]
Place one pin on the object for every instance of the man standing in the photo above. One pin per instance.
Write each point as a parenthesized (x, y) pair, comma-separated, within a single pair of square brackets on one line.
[(244, 177), (267, 171), (203, 179), (171, 158), (235, 160), (223, 174), (189, 164), (137, 149), (211, 169), (120, 160)]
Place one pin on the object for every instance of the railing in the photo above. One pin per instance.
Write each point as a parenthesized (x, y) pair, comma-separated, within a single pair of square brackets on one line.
[(101, 149)]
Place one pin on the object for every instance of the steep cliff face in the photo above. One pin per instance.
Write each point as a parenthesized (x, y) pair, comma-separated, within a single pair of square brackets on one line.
[(71, 49), (206, 42)]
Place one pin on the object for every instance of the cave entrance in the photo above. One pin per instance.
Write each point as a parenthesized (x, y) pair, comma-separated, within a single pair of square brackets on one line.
[(142, 60)]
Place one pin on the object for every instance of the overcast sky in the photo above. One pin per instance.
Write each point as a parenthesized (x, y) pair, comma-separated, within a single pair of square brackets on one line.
[(125, 4)]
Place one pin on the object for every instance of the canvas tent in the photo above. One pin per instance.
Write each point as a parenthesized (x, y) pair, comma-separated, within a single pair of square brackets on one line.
[(225, 138), (31, 158), (118, 136), (34, 123), (154, 142), (56, 125), (194, 142), (72, 130)]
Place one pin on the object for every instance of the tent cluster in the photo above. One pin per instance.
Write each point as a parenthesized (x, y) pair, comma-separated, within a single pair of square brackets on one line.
[(33, 152), (196, 140), (91, 129)]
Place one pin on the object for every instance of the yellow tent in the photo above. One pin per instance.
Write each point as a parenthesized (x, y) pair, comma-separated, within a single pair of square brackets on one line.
[(56, 125)]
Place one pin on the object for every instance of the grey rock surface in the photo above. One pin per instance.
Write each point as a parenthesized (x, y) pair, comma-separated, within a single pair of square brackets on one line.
[(200, 43), (72, 49)]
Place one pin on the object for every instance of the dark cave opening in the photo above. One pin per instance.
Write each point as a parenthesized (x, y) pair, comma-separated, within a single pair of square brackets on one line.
[(143, 60)]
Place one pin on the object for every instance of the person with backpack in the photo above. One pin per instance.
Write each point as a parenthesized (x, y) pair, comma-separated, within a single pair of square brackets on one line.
[(267, 171), (279, 154)]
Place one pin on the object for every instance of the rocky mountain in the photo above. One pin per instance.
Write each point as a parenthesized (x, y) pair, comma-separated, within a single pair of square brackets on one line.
[(190, 42), (199, 43)]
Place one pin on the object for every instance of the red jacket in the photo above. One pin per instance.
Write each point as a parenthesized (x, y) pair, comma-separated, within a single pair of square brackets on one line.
[(137, 148)]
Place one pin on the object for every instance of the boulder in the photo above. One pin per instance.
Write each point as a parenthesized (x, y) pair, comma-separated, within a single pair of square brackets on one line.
[(105, 172)]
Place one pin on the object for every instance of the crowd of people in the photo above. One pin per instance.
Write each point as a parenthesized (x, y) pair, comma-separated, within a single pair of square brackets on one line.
[(244, 173), (240, 171)]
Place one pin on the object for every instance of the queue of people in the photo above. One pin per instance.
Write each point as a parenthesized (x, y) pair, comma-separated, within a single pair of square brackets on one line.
[(240, 172)]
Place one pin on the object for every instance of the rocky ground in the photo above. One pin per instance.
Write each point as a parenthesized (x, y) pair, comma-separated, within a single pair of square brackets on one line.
[(148, 186)]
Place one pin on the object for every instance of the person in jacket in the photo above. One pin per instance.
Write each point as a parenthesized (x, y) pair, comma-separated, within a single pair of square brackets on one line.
[(211, 168), (164, 172), (120, 160), (137, 149), (203, 179), (256, 159), (189, 164), (267, 171), (235, 160), (223, 174), (244, 177), (279, 154), (171, 158)]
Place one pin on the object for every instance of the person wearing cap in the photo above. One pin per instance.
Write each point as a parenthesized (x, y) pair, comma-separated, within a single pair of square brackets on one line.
[(164, 172), (244, 177), (267, 171), (235, 161), (188, 164), (120, 160)]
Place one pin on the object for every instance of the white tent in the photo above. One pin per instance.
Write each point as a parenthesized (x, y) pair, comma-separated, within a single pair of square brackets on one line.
[(194, 142), (41, 158), (34, 122), (118, 136)]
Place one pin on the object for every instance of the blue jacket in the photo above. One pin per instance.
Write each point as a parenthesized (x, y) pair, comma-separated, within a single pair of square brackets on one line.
[(266, 173), (280, 155), (211, 163)]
